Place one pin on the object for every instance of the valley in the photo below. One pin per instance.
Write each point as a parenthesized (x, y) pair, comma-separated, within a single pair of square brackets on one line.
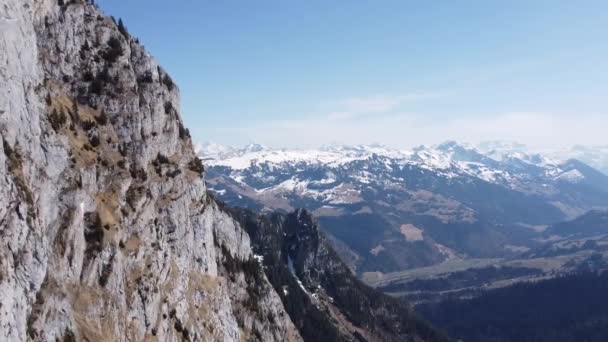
[(434, 222), (115, 225)]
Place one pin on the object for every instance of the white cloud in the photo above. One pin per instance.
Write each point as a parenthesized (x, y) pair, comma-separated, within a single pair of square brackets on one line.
[(374, 104), (412, 129), (355, 107), (340, 115)]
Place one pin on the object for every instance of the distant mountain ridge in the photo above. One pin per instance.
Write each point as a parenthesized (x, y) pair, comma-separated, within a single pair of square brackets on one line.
[(528, 173), (388, 209), (594, 156)]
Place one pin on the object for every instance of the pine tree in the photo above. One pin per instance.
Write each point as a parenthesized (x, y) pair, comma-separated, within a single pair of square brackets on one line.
[(122, 29)]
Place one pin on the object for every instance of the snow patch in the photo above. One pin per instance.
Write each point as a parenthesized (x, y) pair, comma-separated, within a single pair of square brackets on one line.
[(572, 176), (219, 192), (293, 272)]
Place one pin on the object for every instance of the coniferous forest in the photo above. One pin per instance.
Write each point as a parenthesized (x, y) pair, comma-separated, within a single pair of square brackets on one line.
[(568, 308)]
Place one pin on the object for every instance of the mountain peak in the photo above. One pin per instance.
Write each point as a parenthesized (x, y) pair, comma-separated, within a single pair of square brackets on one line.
[(451, 145), (254, 147)]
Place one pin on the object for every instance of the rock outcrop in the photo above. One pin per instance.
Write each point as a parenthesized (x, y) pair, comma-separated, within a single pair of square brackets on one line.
[(106, 230), (323, 298)]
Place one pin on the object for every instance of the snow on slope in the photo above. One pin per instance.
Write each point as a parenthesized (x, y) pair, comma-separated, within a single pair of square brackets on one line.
[(572, 176), (333, 155), (504, 165), (594, 156)]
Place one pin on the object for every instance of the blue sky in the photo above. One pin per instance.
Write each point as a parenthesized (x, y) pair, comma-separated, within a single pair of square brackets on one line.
[(303, 73)]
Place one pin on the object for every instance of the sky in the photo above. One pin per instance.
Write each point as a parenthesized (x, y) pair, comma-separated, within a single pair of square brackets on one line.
[(290, 73)]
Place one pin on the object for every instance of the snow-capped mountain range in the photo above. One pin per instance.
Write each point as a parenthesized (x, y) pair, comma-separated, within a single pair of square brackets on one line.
[(594, 156), (493, 195), (506, 164)]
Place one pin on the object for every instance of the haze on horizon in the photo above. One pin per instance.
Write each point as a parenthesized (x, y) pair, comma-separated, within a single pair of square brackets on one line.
[(399, 73)]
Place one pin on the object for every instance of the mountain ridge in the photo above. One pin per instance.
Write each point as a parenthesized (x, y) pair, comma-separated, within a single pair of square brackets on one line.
[(496, 150), (371, 199), (108, 232)]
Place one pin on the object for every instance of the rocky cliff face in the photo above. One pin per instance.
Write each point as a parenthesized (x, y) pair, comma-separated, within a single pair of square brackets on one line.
[(324, 299), (106, 231)]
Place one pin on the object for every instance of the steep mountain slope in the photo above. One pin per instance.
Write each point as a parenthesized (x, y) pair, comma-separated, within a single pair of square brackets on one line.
[(388, 210), (106, 229), (324, 299)]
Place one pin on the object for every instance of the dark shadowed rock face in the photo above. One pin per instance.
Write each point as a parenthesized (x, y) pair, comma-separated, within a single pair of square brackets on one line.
[(324, 299)]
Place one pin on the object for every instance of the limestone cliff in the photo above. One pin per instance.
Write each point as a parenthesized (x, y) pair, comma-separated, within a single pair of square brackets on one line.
[(106, 231)]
